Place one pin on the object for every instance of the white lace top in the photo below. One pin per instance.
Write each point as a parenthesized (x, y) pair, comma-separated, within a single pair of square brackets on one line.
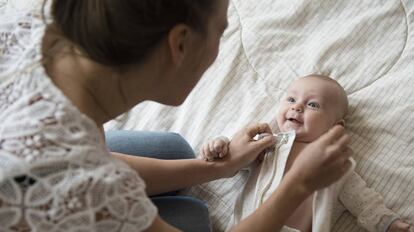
[(55, 171)]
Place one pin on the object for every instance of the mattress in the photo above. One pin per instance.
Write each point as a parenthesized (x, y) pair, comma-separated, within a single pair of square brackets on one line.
[(367, 46)]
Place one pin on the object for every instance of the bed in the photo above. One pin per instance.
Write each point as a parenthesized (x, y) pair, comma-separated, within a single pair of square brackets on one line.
[(366, 45)]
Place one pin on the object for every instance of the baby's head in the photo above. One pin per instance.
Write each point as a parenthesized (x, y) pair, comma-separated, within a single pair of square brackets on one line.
[(312, 105)]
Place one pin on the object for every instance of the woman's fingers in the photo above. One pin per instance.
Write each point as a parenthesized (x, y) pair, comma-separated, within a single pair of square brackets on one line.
[(324, 160), (258, 128), (342, 165), (333, 135), (340, 149)]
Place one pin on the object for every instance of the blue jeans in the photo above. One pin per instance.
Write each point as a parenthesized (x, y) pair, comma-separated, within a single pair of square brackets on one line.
[(185, 213)]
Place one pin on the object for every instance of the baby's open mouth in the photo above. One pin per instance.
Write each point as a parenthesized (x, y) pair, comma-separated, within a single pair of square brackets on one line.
[(294, 120)]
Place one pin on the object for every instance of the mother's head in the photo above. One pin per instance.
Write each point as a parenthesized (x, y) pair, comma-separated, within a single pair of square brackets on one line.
[(181, 37)]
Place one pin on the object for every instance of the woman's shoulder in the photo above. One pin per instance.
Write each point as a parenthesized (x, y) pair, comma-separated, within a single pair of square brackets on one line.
[(38, 122)]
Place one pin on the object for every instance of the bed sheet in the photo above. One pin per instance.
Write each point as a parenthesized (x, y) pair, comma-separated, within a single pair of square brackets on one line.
[(366, 45)]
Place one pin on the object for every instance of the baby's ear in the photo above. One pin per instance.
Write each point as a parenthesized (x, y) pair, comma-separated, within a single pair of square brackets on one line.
[(341, 122)]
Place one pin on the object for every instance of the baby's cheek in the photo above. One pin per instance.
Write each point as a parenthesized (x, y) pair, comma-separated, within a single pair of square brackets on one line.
[(279, 119)]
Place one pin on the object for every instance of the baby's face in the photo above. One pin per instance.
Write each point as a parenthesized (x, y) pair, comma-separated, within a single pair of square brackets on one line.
[(310, 107)]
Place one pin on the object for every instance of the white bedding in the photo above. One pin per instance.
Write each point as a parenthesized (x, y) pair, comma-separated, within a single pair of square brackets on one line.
[(367, 45)]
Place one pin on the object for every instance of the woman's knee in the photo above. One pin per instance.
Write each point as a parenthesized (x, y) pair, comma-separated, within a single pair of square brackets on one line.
[(162, 145), (178, 145)]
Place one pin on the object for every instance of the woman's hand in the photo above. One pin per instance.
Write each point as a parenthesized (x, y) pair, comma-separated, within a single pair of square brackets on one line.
[(243, 149), (323, 162)]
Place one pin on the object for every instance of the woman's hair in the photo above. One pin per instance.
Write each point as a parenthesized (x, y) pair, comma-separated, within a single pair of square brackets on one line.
[(120, 33)]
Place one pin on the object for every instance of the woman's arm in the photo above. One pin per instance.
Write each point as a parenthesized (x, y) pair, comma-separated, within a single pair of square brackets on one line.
[(319, 165), (163, 176)]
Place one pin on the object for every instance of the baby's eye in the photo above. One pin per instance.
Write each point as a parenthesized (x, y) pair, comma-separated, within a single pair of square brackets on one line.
[(290, 100), (314, 105)]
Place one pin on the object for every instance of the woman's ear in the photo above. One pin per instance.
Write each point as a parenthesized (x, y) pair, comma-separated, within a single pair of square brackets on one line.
[(341, 122), (178, 42)]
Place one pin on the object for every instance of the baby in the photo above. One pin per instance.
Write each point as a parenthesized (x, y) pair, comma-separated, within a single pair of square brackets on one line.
[(313, 104)]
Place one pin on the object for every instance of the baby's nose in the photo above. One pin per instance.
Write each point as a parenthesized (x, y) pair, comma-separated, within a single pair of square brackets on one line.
[(297, 108)]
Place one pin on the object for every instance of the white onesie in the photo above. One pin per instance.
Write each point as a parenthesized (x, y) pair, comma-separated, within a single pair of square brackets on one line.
[(350, 193)]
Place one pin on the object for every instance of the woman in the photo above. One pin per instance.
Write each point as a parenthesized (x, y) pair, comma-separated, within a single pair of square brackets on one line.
[(93, 61)]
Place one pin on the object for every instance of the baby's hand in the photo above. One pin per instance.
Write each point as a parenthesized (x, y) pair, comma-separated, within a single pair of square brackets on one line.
[(215, 149), (399, 226)]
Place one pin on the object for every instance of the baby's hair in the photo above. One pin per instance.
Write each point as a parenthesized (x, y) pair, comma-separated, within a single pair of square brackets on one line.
[(336, 83)]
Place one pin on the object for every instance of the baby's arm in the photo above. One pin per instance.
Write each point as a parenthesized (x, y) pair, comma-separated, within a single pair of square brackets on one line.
[(368, 207)]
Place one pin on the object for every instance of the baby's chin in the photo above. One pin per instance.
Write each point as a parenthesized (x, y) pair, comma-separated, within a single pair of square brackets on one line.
[(287, 128), (301, 136)]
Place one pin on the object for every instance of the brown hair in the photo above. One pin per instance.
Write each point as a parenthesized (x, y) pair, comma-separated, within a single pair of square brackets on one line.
[(123, 32)]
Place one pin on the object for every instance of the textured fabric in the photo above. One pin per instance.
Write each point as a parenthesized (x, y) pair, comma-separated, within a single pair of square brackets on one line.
[(184, 213), (366, 45), (152, 144), (365, 204), (56, 173)]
